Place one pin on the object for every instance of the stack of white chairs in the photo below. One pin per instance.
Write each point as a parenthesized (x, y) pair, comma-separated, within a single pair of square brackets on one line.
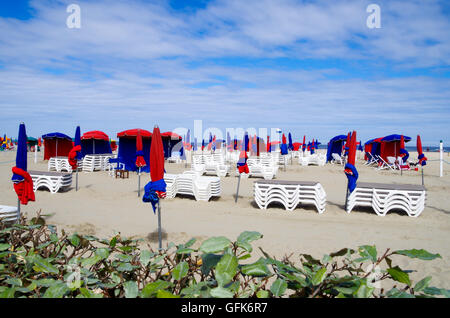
[(385, 197), (8, 213), (210, 164), (59, 164), (190, 183), (318, 159), (96, 162), (53, 181), (264, 168), (289, 193), (174, 158)]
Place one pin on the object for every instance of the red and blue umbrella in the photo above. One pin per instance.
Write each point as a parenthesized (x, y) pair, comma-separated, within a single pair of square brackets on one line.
[(350, 169), (269, 148), (23, 183), (140, 161), (304, 143), (156, 188), (403, 152), (421, 157), (283, 146)]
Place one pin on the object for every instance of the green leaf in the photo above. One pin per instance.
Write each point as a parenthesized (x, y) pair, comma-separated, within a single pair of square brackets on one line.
[(8, 293), (185, 250), (341, 252), (226, 269), (278, 287), (399, 275), (258, 268), (220, 292), (165, 294), (125, 267), (368, 251), (244, 257), (88, 262), (420, 254), (319, 276), (43, 265), (102, 252), (363, 291), (190, 242), (131, 289), (4, 246), (56, 290), (180, 270), (432, 291), (215, 244), (422, 284), (209, 261), (262, 294), (152, 288), (86, 293), (14, 281), (74, 240), (145, 257), (311, 259), (245, 238)]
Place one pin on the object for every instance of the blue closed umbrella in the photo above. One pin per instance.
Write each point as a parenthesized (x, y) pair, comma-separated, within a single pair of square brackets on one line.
[(77, 141), (21, 155), (291, 145)]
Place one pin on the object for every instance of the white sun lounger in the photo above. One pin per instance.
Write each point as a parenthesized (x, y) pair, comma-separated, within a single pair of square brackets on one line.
[(53, 181), (190, 183), (59, 164), (386, 197), (96, 162), (263, 168), (314, 159), (289, 193), (337, 159), (8, 213)]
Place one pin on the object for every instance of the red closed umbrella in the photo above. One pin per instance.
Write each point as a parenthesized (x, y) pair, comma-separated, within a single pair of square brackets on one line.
[(421, 157), (268, 144), (350, 169), (156, 188)]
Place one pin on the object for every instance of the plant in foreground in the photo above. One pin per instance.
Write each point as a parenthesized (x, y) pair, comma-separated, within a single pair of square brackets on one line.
[(36, 261)]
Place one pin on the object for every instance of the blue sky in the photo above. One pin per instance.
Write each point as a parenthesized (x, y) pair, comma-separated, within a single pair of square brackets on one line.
[(313, 68)]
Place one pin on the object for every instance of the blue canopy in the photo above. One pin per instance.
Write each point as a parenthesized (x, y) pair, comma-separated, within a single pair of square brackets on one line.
[(396, 138), (95, 146), (56, 135), (127, 153), (335, 146)]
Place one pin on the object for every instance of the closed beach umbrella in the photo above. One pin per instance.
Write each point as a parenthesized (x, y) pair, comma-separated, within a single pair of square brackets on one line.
[(195, 144), (140, 161), (403, 152), (23, 184), (350, 169), (156, 188), (269, 148), (421, 156), (203, 144), (283, 146), (77, 141), (304, 143), (291, 145)]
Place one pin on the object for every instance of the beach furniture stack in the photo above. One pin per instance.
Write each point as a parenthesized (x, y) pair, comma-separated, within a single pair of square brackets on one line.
[(210, 164), (386, 197), (8, 213), (203, 188), (318, 159), (53, 181), (59, 164), (289, 193), (96, 162), (174, 158), (263, 168)]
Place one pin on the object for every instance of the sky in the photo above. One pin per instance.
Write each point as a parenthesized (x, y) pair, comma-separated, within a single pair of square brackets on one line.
[(308, 67)]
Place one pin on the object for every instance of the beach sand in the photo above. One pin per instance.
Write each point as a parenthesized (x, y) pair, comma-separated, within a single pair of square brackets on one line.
[(104, 205)]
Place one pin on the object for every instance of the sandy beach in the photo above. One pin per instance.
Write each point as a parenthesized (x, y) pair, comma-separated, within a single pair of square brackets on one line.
[(104, 205)]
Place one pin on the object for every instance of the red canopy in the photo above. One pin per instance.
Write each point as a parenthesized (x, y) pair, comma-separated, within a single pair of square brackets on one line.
[(170, 134), (134, 133), (95, 134), (156, 156)]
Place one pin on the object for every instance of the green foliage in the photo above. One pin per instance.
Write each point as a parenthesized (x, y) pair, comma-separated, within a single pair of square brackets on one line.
[(35, 261)]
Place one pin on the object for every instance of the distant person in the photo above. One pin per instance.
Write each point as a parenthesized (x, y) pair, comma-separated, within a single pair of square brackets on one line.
[(428, 149)]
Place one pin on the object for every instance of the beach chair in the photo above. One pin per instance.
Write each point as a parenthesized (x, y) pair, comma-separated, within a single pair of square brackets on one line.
[(392, 161), (8, 214), (403, 165), (53, 181), (174, 158), (113, 164), (386, 197), (382, 164), (337, 159), (289, 194), (371, 159), (190, 183)]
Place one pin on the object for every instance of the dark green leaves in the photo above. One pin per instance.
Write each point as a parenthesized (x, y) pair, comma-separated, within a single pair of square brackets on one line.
[(399, 275), (420, 254), (215, 245)]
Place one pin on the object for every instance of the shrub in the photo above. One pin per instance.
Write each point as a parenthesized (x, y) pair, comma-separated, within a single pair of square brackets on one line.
[(36, 261)]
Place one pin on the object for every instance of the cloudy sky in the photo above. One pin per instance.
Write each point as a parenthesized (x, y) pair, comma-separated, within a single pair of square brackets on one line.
[(308, 67)]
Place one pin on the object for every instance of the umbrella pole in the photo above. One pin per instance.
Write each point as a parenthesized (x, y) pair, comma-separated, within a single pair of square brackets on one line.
[(139, 182), (159, 224), (35, 153), (76, 178), (18, 210), (422, 176), (237, 191), (346, 198)]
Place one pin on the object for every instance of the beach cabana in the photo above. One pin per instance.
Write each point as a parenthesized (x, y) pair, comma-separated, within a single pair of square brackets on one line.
[(95, 142), (56, 145), (127, 148), (390, 146), (31, 143), (335, 145), (170, 139), (372, 147)]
